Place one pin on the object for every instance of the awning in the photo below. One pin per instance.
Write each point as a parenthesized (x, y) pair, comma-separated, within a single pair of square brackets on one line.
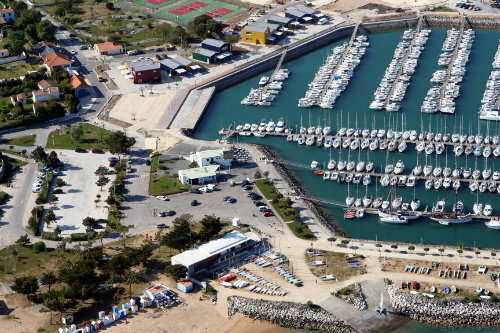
[(319, 15), (221, 56), (180, 71), (307, 19), (195, 67), (271, 38), (121, 67)]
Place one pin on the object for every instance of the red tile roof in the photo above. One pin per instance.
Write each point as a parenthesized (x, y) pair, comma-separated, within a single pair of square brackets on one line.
[(76, 81), (8, 10), (56, 59), (109, 46)]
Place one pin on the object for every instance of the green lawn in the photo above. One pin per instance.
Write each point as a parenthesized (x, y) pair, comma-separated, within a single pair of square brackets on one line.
[(267, 188), (443, 9), (269, 191), (26, 262), (16, 69), (13, 152), (93, 137), (301, 230), (166, 185), (25, 141)]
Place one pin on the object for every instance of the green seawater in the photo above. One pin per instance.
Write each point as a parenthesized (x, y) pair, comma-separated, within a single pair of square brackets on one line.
[(352, 108)]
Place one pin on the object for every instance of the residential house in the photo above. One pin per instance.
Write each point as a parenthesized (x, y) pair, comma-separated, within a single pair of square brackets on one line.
[(56, 59), (8, 15), (198, 176), (4, 53), (81, 87), (145, 71), (22, 97), (44, 94), (220, 156), (44, 84), (108, 49)]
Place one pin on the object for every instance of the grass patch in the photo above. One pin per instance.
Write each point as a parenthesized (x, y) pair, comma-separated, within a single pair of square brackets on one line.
[(267, 188), (93, 137), (13, 152), (25, 141), (283, 206), (346, 291), (16, 69), (443, 9), (301, 230), (336, 265), (26, 262), (162, 185)]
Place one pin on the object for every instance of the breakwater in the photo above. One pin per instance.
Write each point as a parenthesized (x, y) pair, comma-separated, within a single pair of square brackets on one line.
[(359, 302), (453, 20), (296, 186), (288, 314), (450, 311)]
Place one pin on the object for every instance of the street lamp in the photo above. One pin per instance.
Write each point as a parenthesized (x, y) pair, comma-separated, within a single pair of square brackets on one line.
[(157, 139)]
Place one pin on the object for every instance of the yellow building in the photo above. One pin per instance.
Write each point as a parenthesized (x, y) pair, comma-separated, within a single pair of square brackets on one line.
[(256, 34)]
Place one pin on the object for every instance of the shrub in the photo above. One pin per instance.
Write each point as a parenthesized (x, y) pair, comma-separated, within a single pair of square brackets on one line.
[(39, 247), (80, 236), (3, 197), (51, 236)]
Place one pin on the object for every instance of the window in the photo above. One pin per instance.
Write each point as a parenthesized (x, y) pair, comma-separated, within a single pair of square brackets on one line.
[(139, 73), (249, 39), (248, 32)]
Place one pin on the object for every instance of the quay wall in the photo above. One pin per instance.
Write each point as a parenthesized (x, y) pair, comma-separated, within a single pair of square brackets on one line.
[(288, 315), (449, 311), (453, 20)]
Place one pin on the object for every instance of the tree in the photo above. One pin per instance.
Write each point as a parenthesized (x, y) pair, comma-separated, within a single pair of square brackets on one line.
[(39, 154), (394, 246), (48, 279), (52, 158), (441, 251), (50, 217), (60, 182), (110, 6), (76, 132), (203, 26), (45, 30), (460, 251), (119, 142), (493, 254), (232, 39), (102, 181), (344, 241), (460, 245), (426, 249), (59, 11), (257, 175), (117, 266), (15, 47), (101, 171), (210, 227), (71, 102), (180, 236), (477, 253), (332, 240), (266, 174), (411, 248), (130, 278), (379, 247), (24, 240), (89, 223), (53, 198), (176, 272), (26, 284), (58, 301), (80, 276)]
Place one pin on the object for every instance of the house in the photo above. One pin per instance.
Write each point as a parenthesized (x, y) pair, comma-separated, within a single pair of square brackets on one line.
[(221, 156), (8, 15), (4, 53), (45, 48), (205, 55), (198, 176), (185, 286), (158, 291), (179, 65), (108, 49), (256, 34), (44, 94), (283, 21), (216, 253), (56, 59), (218, 46), (298, 15), (19, 98), (145, 71), (44, 84), (81, 87)]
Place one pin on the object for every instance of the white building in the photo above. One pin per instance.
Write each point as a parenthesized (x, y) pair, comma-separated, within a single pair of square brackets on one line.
[(44, 94), (198, 176), (216, 252), (221, 156)]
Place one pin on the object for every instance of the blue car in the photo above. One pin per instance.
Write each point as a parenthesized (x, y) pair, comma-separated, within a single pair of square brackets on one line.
[(45, 169)]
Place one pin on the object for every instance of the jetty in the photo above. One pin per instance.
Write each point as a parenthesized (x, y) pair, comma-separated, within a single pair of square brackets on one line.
[(276, 71)]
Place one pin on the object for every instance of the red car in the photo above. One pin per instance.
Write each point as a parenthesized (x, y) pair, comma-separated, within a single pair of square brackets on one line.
[(112, 164), (97, 151), (267, 214)]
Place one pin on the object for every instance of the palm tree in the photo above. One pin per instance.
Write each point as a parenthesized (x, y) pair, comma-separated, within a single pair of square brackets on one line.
[(426, 249), (130, 278)]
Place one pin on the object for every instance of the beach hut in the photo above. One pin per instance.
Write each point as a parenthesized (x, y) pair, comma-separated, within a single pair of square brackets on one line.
[(185, 286)]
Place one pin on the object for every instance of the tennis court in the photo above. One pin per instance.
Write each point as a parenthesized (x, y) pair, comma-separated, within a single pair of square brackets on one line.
[(188, 11), (154, 4), (191, 7)]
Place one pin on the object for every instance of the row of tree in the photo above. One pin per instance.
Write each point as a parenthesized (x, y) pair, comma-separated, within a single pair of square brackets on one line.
[(183, 236)]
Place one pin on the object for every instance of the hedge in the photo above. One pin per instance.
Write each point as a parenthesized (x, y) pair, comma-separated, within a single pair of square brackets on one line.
[(81, 236), (51, 236)]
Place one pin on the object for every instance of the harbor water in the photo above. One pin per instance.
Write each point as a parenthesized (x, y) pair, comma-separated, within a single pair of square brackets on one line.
[(351, 110)]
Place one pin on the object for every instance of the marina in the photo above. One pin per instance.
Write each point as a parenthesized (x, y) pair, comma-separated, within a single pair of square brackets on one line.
[(354, 105)]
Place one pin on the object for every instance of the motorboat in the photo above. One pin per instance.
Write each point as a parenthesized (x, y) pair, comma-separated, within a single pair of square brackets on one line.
[(280, 126), (417, 170), (415, 204), (392, 218), (427, 170), (439, 207), (389, 168), (331, 165), (488, 210), (264, 80), (493, 223), (400, 167), (314, 164), (477, 208), (367, 200)]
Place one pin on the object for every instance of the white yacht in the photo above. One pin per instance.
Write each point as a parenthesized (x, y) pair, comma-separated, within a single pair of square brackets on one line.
[(493, 223), (280, 126)]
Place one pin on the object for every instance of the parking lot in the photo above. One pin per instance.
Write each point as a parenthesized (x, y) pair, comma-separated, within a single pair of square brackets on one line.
[(77, 200)]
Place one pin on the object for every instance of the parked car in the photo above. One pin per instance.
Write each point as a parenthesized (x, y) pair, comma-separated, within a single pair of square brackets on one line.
[(161, 225), (73, 52), (154, 153), (113, 158), (247, 187), (132, 52), (97, 151), (194, 190), (72, 35), (158, 57), (164, 56), (162, 197), (45, 169), (259, 203), (42, 175), (166, 213), (80, 150), (194, 203), (159, 49), (148, 162), (267, 214), (169, 47), (112, 164), (205, 189), (263, 208), (231, 200), (226, 198), (36, 189), (58, 191), (83, 47)]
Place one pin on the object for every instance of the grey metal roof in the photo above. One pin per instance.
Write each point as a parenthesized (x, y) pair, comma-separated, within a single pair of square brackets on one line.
[(214, 42), (255, 28), (205, 52), (296, 13), (307, 10), (169, 63), (144, 65), (183, 61), (281, 19)]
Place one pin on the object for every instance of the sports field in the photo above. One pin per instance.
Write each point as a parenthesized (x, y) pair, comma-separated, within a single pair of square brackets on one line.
[(187, 11), (154, 4)]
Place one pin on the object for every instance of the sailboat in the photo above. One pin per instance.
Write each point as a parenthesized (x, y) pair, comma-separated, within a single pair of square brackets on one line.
[(380, 309), (391, 217), (450, 218)]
